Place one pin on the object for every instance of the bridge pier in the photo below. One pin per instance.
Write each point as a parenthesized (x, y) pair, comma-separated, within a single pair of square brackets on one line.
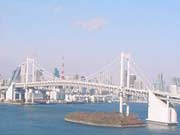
[(20, 96), (54, 94), (26, 95), (161, 111), (127, 106), (121, 103), (2, 96), (127, 109), (10, 93), (32, 97)]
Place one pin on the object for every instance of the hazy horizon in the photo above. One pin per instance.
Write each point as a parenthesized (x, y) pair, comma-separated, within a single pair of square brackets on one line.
[(89, 34)]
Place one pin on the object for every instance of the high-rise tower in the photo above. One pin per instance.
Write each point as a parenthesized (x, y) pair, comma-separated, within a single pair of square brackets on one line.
[(62, 70)]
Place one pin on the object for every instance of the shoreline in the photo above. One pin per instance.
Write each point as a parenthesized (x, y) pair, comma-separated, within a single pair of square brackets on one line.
[(104, 125), (104, 119)]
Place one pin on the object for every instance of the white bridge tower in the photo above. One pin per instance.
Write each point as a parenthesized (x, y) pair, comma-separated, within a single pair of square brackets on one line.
[(124, 81)]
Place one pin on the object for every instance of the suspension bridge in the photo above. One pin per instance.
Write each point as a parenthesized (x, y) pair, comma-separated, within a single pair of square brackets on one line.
[(121, 77)]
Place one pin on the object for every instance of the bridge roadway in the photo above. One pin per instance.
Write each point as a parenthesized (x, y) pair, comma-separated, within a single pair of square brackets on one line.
[(128, 91), (81, 84)]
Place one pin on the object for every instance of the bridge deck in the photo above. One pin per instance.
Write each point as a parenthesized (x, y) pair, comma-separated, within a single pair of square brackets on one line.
[(130, 91)]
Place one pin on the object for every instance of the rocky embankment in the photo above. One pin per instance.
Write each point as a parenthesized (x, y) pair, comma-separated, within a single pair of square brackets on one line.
[(104, 119)]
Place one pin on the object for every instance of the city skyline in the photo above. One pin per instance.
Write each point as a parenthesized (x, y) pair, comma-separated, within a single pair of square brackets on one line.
[(89, 67), (85, 32)]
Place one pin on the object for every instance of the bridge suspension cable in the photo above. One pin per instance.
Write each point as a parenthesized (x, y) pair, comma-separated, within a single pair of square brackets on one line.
[(48, 74), (104, 72), (141, 75)]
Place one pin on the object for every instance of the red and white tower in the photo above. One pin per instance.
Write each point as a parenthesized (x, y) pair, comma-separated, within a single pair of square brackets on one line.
[(62, 72)]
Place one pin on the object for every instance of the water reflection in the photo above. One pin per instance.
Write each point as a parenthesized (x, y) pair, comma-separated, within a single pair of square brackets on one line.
[(159, 127)]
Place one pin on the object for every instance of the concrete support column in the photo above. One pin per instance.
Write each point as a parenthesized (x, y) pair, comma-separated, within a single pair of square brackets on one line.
[(20, 96), (127, 109), (10, 93), (1, 96), (121, 103), (168, 110), (32, 97), (53, 94), (14, 95), (127, 105), (26, 95)]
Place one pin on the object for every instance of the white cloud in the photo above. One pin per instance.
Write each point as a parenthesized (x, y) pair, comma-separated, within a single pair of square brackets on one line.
[(92, 24), (56, 8)]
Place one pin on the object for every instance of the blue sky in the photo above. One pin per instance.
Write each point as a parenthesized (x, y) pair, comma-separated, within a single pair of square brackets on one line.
[(89, 33)]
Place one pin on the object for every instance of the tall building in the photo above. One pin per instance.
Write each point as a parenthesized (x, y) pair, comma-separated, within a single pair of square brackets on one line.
[(176, 81), (38, 75), (132, 80), (83, 78), (62, 72), (76, 77), (138, 84), (160, 83), (1, 80), (56, 73)]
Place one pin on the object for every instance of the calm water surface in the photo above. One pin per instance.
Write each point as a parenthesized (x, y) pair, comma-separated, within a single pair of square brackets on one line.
[(49, 120)]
